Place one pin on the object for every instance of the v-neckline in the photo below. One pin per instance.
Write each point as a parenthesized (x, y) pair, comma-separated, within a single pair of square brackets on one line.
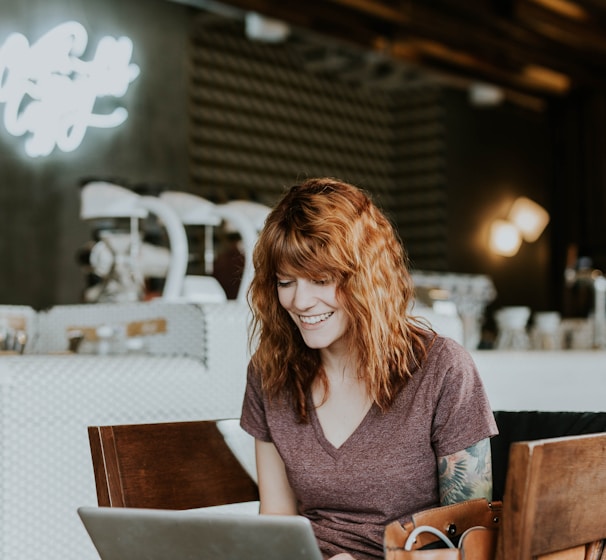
[(326, 444)]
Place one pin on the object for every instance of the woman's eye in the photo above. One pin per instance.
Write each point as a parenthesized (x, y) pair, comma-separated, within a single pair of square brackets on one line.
[(284, 283)]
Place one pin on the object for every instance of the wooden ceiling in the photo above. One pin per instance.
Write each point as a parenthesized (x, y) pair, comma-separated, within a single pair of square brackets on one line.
[(533, 49)]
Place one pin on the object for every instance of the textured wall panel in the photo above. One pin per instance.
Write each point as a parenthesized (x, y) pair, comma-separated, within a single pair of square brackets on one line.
[(419, 204), (266, 115)]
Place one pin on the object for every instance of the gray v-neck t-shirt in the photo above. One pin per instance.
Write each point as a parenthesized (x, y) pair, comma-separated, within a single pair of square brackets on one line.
[(387, 469)]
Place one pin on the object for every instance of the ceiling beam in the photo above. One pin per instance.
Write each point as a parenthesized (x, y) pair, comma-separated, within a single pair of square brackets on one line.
[(540, 48)]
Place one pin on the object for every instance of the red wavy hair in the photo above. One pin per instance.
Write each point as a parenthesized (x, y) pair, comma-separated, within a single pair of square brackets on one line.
[(326, 227)]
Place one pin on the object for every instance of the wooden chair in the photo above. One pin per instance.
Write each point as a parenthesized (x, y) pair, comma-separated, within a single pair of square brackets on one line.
[(178, 465), (555, 500)]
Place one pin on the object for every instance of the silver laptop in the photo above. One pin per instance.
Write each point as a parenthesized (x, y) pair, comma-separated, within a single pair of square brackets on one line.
[(148, 534)]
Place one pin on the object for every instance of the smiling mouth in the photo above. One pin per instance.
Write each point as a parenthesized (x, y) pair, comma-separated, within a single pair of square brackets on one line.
[(315, 319)]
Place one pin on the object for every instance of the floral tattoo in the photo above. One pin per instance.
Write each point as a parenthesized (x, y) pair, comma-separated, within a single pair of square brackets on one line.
[(466, 474)]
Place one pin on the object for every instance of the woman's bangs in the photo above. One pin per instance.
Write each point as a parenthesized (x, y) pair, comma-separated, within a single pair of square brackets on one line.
[(303, 256), (293, 254)]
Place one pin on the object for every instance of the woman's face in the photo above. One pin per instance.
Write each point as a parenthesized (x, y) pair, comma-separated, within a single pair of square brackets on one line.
[(315, 310)]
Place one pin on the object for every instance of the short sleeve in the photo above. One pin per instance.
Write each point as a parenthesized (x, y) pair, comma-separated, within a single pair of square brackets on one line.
[(253, 418), (463, 415)]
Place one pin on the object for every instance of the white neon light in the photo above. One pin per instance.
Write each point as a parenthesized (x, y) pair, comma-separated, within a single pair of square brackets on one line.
[(50, 93)]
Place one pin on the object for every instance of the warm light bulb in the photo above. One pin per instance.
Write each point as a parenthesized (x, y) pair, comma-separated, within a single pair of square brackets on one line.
[(505, 238), (530, 218)]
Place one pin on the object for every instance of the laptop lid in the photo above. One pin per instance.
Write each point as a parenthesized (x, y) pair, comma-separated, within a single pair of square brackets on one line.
[(148, 534)]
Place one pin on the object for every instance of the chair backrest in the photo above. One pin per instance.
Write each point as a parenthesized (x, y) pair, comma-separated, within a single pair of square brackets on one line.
[(528, 425), (173, 465), (554, 498)]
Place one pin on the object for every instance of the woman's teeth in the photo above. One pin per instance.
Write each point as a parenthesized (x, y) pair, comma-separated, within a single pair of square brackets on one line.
[(315, 318)]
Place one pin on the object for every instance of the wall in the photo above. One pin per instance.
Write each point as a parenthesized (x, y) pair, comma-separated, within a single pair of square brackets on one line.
[(40, 229), (495, 155), (579, 138), (491, 157), (265, 115)]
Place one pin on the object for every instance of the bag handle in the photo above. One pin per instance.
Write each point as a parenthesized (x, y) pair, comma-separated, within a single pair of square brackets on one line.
[(412, 538)]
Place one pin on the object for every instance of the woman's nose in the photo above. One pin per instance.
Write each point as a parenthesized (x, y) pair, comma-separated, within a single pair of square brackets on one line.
[(303, 296)]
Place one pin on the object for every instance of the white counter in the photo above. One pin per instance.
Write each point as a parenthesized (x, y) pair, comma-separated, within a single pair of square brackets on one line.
[(46, 405), (48, 401), (570, 380)]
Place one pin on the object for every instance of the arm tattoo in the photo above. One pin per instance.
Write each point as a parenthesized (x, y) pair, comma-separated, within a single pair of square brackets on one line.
[(466, 474)]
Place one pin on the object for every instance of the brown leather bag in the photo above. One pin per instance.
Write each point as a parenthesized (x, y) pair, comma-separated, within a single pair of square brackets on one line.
[(473, 523)]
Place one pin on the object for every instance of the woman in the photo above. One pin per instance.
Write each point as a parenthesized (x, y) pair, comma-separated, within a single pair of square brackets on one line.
[(361, 414)]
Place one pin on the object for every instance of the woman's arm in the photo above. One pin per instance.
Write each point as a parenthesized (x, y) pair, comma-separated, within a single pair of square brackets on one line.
[(275, 492), (466, 474)]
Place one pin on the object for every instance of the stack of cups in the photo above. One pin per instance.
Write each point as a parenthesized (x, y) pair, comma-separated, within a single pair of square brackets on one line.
[(511, 324), (546, 334)]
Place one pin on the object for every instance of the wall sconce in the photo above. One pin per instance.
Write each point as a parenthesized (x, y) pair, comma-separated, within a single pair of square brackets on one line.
[(526, 221), (530, 218), (505, 239)]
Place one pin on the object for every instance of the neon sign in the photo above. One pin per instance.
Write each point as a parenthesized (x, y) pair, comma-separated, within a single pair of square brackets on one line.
[(49, 92)]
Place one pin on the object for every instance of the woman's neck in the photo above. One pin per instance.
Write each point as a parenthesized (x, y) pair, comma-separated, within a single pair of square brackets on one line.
[(338, 363)]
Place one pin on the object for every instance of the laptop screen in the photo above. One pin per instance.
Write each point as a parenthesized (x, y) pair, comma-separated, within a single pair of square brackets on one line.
[(148, 534)]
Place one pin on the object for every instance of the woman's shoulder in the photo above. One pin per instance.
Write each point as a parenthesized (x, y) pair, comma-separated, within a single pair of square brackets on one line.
[(445, 351), (253, 375), (442, 343)]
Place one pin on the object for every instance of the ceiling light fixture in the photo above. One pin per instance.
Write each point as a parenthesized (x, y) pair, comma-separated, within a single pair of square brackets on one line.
[(267, 30), (485, 95)]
